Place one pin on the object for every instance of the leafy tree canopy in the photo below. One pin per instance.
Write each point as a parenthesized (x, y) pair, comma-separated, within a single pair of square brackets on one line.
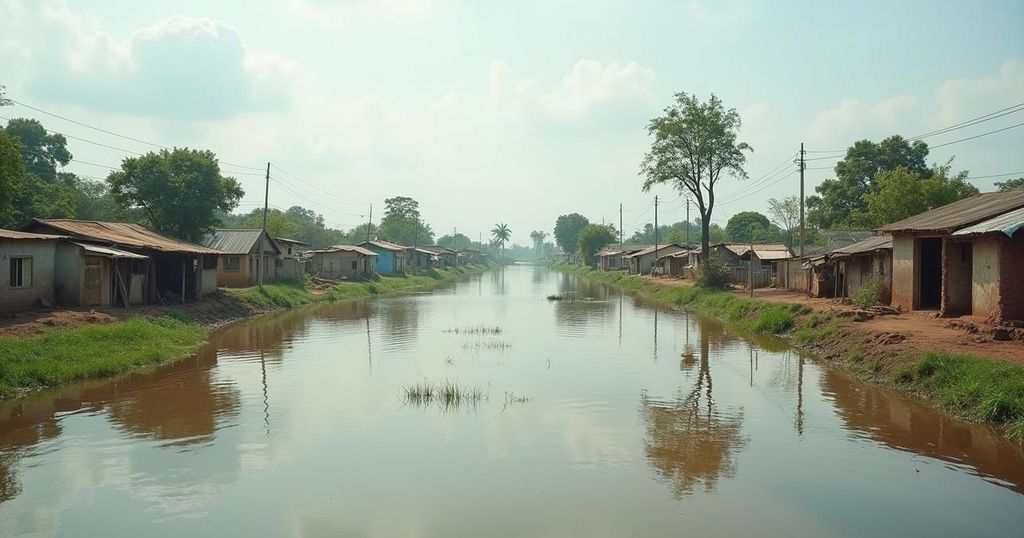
[(179, 192), (457, 242), (785, 214), (1010, 184), (903, 193), (567, 231), (747, 226), (591, 238), (41, 151), (402, 223)]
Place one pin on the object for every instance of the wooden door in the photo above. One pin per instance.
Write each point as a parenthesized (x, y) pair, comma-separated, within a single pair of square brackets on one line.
[(92, 284)]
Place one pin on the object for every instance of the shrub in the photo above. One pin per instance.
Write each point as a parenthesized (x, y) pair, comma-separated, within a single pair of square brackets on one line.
[(871, 293), (713, 274), (774, 319)]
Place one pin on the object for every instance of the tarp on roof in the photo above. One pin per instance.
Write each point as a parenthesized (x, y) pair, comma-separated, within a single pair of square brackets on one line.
[(235, 241), (16, 235), (967, 212), (125, 234), (109, 252), (1007, 223), (878, 242)]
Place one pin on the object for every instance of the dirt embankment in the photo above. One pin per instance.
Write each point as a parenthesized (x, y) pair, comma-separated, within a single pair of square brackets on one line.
[(903, 332), (218, 308)]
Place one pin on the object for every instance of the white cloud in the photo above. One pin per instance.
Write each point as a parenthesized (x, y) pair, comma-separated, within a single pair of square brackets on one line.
[(961, 99), (854, 119)]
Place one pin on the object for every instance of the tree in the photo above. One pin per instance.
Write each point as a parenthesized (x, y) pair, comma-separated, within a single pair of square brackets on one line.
[(747, 226), (179, 191), (402, 223), (501, 233), (785, 214), (838, 199), (903, 193), (458, 242), (675, 235), (591, 239), (1010, 184), (12, 178), (694, 142), (567, 231), (538, 238), (41, 151)]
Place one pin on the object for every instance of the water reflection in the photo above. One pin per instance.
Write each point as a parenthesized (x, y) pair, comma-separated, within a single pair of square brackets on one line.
[(690, 441)]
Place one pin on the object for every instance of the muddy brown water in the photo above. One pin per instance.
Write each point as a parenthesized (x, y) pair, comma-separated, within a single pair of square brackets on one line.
[(603, 416)]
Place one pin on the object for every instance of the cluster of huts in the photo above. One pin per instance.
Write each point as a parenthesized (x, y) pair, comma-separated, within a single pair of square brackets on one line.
[(90, 263), (965, 258)]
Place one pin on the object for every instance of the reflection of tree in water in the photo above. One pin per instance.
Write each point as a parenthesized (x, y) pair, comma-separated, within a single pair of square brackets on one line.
[(20, 431), (690, 441)]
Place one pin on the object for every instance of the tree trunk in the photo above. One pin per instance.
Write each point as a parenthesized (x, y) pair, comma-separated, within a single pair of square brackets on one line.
[(705, 236)]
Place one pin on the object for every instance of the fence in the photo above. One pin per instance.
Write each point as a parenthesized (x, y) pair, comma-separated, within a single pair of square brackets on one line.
[(762, 276)]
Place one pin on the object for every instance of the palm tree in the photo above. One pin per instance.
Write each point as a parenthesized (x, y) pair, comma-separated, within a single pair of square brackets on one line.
[(538, 239), (501, 233)]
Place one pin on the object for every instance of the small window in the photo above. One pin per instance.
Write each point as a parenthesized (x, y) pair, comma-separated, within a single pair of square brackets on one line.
[(354, 265), (209, 262), (21, 272), (232, 264)]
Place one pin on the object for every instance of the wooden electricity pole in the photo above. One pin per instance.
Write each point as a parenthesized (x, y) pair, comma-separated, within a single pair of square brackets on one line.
[(266, 203)]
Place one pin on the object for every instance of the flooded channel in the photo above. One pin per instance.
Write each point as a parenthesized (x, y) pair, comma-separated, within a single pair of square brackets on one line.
[(601, 416)]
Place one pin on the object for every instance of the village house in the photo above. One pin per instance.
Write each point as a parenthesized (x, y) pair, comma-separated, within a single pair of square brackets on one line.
[(470, 256), (814, 273), (245, 253), (446, 257), (341, 262), (610, 258), (964, 258), (676, 264), (289, 263), (390, 256), (105, 263), (641, 262), (420, 259), (26, 269), (857, 263)]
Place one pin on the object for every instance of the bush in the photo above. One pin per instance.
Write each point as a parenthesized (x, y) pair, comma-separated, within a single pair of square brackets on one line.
[(871, 293), (713, 274), (774, 319)]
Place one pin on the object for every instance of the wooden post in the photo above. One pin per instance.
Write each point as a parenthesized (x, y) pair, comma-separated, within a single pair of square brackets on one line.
[(120, 280), (183, 266)]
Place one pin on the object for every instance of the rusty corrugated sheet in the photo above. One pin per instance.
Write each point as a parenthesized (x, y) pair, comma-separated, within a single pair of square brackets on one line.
[(124, 234), (16, 235), (384, 245), (878, 242), (961, 213), (1007, 223)]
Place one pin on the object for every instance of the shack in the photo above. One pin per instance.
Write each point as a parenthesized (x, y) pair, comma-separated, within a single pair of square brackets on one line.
[(610, 258), (420, 259), (642, 261), (857, 263), (470, 256), (964, 258), (390, 256), (676, 264), (446, 257), (341, 262), (245, 252), (144, 266), (289, 264), (26, 269)]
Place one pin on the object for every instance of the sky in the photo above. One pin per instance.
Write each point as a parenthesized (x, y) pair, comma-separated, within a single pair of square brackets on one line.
[(511, 112)]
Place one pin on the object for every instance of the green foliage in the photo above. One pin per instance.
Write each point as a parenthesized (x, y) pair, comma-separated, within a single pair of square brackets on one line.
[(745, 226), (785, 214), (457, 242), (501, 233), (41, 151), (403, 224), (712, 273), (567, 231), (591, 239), (871, 293), (12, 176), (694, 142), (1010, 184), (61, 356), (538, 237), (838, 199), (774, 319), (903, 193), (179, 191)]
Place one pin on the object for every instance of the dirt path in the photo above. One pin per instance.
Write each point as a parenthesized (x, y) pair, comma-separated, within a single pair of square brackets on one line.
[(905, 332)]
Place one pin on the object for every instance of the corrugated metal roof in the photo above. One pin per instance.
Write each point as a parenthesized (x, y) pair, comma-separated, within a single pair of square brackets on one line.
[(878, 242), (292, 241), (651, 249), (120, 233), (344, 248), (772, 255), (384, 245), (16, 235), (1007, 223), (110, 252), (235, 241), (438, 249), (961, 213)]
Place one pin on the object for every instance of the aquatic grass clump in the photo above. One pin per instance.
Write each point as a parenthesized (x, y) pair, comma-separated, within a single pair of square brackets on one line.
[(492, 344), (566, 296), (474, 330), (447, 395), (512, 398), (773, 319)]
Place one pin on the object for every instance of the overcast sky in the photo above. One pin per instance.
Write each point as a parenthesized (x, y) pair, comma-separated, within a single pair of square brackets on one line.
[(514, 112)]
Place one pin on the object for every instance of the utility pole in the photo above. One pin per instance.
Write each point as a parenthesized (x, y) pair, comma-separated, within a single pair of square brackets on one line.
[(266, 203), (369, 223), (655, 233), (687, 221), (803, 165), (751, 265), (620, 228), (454, 232)]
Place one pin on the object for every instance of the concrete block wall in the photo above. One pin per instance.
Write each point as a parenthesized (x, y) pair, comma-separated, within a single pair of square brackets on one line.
[(1011, 283), (903, 271), (957, 264)]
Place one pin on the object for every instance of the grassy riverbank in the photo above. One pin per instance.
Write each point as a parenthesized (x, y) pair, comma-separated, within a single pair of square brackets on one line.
[(60, 356), (975, 388)]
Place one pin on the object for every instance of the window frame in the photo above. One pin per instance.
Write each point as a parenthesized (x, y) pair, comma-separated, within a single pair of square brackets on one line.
[(20, 261), (238, 264)]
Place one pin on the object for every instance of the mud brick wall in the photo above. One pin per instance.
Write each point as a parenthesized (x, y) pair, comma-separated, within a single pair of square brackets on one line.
[(1011, 274), (957, 263)]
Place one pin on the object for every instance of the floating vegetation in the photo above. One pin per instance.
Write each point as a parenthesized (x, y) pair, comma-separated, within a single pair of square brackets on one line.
[(512, 398), (474, 330), (491, 344), (447, 395)]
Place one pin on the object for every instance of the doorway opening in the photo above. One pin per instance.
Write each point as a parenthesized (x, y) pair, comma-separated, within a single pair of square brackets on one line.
[(929, 263)]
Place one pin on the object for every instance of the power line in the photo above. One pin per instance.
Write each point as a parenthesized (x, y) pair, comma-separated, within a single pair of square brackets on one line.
[(751, 193), (976, 136), (974, 121), (310, 200), (311, 185), (998, 175)]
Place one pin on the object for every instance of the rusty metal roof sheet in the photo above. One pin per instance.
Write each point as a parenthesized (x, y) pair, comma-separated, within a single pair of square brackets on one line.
[(235, 241), (966, 212), (109, 252), (660, 248), (878, 242), (1007, 223), (16, 235), (386, 245), (124, 234)]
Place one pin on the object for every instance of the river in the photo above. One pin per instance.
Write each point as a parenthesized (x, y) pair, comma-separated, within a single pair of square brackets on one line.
[(600, 416)]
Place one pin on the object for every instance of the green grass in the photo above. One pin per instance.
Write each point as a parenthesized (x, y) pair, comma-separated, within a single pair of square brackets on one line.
[(62, 356), (447, 395)]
